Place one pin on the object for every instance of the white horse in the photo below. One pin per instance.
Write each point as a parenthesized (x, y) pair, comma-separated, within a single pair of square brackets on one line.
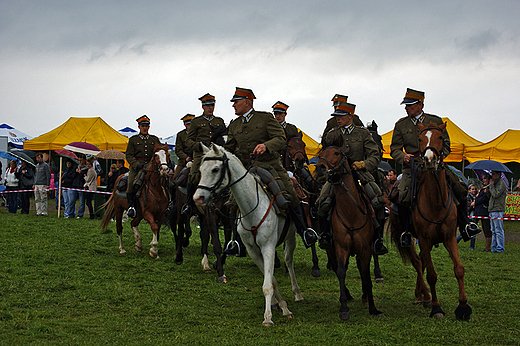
[(259, 226)]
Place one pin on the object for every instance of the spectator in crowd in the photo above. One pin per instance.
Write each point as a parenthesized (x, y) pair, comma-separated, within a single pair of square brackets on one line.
[(66, 181), (11, 184), (481, 209), (110, 179), (472, 194), (496, 208), (42, 181), (77, 184), (90, 185), (25, 182), (121, 169)]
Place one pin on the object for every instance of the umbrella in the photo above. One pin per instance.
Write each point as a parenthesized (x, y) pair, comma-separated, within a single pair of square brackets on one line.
[(82, 148), (7, 156), (67, 154), (480, 173), (19, 154), (111, 154), (458, 174), (489, 165)]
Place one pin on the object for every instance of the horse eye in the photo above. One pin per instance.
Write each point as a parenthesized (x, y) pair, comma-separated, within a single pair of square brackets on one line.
[(215, 170)]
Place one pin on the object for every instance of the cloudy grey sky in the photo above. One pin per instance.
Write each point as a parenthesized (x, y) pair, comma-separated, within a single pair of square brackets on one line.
[(121, 59)]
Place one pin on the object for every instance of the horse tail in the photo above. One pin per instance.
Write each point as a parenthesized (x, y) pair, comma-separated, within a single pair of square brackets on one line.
[(110, 211), (395, 233)]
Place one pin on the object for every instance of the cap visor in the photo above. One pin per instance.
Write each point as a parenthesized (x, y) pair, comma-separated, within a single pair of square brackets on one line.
[(409, 101)]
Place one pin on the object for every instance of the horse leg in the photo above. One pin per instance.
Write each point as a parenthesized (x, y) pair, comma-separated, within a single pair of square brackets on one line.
[(138, 239), (290, 246), (217, 247), (315, 271), (341, 273), (119, 228), (421, 290), (153, 252), (377, 270), (431, 277), (463, 311), (204, 238), (363, 264), (178, 232)]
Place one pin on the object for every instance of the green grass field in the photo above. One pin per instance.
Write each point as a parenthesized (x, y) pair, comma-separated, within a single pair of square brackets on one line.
[(63, 282)]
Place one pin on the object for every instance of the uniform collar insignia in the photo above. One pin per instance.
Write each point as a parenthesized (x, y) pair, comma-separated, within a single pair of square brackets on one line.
[(247, 116), (419, 117), (284, 124), (144, 137), (209, 118), (348, 128)]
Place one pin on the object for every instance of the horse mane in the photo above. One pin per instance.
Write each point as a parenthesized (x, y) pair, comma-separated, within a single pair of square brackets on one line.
[(217, 134)]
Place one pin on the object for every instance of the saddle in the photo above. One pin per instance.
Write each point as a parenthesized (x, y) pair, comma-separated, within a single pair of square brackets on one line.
[(270, 182), (182, 179), (122, 184)]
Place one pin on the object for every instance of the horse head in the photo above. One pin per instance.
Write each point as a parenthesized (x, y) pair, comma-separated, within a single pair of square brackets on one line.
[(332, 163), (431, 143), (213, 177), (161, 159), (295, 151)]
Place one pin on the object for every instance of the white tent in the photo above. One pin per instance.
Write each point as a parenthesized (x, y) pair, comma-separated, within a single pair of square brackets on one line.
[(127, 131), (15, 138), (170, 141)]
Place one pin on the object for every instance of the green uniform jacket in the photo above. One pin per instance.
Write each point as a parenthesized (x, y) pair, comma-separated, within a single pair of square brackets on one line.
[(262, 127), (332, 123), (200, 131), (406, 136), (181, 149), (140, 149), (290, 130), (359, 146)]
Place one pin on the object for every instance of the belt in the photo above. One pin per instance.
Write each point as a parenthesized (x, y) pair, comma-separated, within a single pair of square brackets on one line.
[(141, 158)]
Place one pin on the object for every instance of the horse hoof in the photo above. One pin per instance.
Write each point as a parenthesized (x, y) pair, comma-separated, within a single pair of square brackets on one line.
[(290, 316), (380, 280), (463, 313), (437, 312), (344, 315), (122, 252), (222, 279), (138, 249), (437, 315), (267, 324), (153, 254), (178, 261), (316, 273)]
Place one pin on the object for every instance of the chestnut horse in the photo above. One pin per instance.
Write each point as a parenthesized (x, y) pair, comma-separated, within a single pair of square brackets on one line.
[(351, 226), (294, 160), (434, 217), (153, 201)]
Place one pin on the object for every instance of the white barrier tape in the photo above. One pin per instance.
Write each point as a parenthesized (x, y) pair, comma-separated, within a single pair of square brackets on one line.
[(494, 218), (63, 188)]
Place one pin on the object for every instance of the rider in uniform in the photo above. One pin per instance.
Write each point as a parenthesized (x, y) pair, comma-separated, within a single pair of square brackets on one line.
[(183, 154), (256, 137), (201, 130), (139, 152), (363, 152), (404, 146), (332, 123)]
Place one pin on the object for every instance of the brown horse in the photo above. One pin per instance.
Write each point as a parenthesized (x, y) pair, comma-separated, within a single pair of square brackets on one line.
[(294, 160), (434, 217), (351, 225), (153, 201)]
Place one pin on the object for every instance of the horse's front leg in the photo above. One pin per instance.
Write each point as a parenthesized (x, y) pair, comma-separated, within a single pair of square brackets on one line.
[(290, 245), (431, 277), (149, 217), (119, 229), (267, 288), (463, 311), (204, 238), (138, 239)]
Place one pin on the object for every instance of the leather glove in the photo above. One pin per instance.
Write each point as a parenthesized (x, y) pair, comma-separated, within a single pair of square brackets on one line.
[(358, 165)]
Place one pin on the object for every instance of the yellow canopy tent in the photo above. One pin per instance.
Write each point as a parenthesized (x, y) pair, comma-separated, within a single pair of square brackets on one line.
[(311, 146), (505, 148), (93, 130), (460, 141)]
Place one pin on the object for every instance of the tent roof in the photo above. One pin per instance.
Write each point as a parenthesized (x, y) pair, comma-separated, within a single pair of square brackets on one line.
[(93, 130), (459, 142), (505, 148), (15, 137)]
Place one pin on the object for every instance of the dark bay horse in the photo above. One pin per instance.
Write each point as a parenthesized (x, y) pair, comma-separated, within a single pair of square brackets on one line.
[(294, 160), (153, 201), (351, 225), (434, 217)]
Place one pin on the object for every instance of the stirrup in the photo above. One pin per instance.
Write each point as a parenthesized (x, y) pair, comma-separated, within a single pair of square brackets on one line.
[(406, 239), (233, 248), (470, 231), (379, 248), (131, 212), (309, 237)]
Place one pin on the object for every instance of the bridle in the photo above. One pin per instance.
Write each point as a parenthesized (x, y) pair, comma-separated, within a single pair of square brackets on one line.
[(225, 170), (440, 155), (292, 157)]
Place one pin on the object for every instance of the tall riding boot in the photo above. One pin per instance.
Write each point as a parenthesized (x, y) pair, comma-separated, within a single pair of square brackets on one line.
[(235, 247), (130, 197), (468, 229), (378, 246), (308, 235), (325, 239), (405, 223), (187, 207)]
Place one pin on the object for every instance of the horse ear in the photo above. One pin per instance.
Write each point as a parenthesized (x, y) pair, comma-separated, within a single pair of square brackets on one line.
[(204, 148), (442, 126), (420, 126), (300, 133), (215, 148)]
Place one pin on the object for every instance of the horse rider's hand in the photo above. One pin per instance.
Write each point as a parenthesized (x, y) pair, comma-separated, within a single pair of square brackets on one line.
[(407, 158), (260, 149), (188, 159), (358, 165)]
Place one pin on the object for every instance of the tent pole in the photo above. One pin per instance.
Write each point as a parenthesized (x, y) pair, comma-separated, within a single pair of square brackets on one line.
[(59, 187)]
